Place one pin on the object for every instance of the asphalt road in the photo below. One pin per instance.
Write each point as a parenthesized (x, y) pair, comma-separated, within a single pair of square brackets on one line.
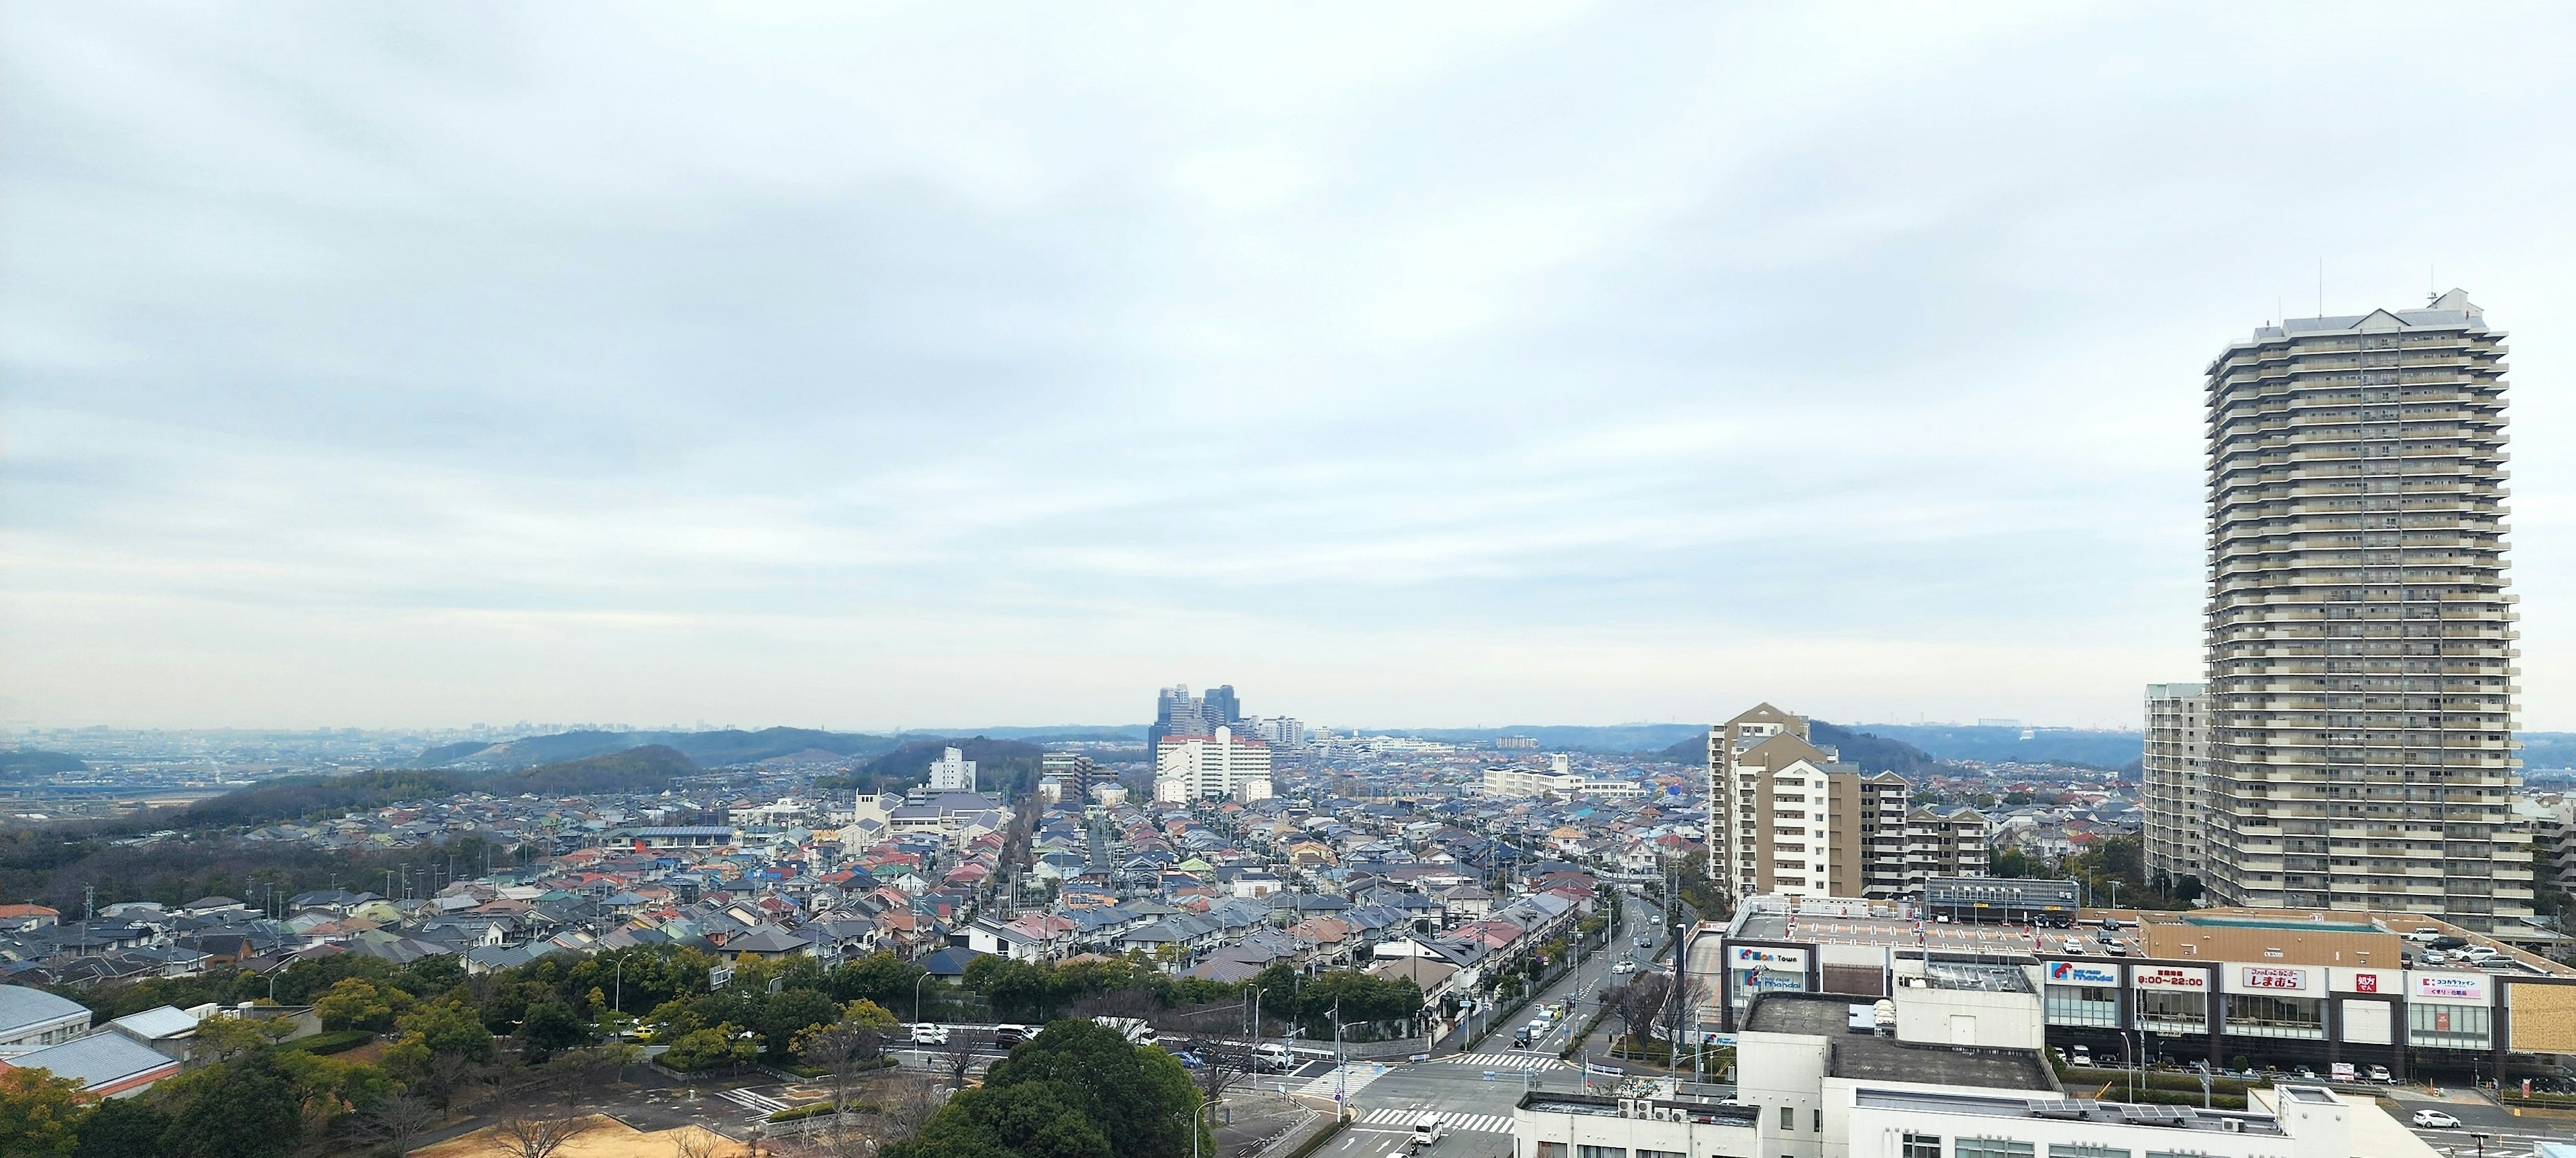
[(1475, 1092)]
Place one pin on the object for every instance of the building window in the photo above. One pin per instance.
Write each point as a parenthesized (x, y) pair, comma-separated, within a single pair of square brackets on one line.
[(1551, 1150), (2084, 1150), (1600, 1152), (1788, 1117), (2262, 1015), (1921, 1146), (1643, 1153), (2169, 1009), (2448, 1026), (1989, 1148), (2084, 1005)]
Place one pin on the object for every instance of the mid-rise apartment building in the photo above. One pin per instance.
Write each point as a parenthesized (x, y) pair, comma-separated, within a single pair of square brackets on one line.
[(1558, 779), (2175, 763), (1072, 772), (1788, 817), (2360, 639), (1211, 767), (952, 772)]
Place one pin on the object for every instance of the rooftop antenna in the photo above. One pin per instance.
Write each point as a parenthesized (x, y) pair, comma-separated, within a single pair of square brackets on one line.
[(2321, 286)]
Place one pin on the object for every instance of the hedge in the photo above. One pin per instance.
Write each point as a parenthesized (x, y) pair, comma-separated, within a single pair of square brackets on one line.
[(820, 1109), (336, 1041)]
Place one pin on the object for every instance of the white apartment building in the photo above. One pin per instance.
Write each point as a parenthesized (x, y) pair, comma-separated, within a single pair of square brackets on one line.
[(1209, 767), (952, 772), (2360, 639), (1559, 779), (2173, 769)]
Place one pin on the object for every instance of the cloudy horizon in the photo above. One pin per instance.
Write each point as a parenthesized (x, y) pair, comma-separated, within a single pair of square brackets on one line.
[(1434, 366)]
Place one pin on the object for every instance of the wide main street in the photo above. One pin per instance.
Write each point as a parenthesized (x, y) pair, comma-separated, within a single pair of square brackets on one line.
[(1475, 1091)]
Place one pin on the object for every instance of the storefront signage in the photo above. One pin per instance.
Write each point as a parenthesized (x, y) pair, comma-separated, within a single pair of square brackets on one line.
[(1765, 957), (2368, 982), (2165, 977), (2273, 978), (2079, 973), (2449, 987)]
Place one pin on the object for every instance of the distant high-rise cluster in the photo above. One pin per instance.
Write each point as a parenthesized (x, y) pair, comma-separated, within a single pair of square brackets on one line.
[(1789, 818), (1204, 747), (2359, 637)]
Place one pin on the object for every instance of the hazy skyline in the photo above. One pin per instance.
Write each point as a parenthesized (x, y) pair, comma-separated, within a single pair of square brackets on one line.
[(1425, 366)]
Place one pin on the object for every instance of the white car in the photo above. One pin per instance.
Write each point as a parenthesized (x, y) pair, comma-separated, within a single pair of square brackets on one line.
[(2074, 946), (2434, 1120), (1624, 968), (928, 1034)]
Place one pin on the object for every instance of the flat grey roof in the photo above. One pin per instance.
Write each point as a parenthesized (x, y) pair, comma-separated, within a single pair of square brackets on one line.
[(2070, 1110), (1869, 1057)]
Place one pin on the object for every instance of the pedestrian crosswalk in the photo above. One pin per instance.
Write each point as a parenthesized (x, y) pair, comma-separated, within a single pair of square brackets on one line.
[(748, 1100), (1522, 1060), (1344, 1080), (1473, 1123)]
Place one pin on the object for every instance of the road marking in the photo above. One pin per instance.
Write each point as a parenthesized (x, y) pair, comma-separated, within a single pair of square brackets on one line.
[(751, 1101), (1354, 1077), (1473, 1123), (1508, 1061)]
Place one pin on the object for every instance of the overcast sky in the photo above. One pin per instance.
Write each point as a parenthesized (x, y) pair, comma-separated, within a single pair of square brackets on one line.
[(1401, 365)]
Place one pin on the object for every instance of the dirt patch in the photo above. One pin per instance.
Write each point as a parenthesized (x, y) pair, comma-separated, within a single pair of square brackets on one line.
[(607, 1138)]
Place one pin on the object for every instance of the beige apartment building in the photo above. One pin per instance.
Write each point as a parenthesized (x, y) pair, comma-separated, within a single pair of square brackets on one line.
[(2360, 641), (1789, 818), (2170, 781)]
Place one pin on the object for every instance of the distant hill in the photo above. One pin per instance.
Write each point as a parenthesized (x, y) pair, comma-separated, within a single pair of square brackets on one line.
[(19, 762), (720, 749), (1993, 744), (1871, 753), (638, 770), (647, 769), (1009, 767), (2548, 751)]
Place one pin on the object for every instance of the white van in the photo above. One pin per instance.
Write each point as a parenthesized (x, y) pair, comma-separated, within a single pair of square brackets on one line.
[(1427, 1133), (1274, 1057)]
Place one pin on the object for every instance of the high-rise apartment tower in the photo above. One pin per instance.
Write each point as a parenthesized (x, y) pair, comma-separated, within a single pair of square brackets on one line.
[(2171, 781), (2359, 637)]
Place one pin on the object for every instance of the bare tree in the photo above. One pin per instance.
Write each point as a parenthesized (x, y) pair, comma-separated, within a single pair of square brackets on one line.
[(904, 1105), (530, 1136), (1219, 1072), (401, 1119), (957, 1058), (847, 1049), (695, 1142)]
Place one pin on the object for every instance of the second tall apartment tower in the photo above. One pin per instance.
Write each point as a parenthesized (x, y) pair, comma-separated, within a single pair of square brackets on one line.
[(2360, 643)]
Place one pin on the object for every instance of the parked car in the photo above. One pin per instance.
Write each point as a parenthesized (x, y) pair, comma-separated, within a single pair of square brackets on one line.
[(2434, 1120), (926, 1033), (2074, 946), (2380, 1074), (2477, 954), (2083, 1056), (2116, 949), (2424, 935)]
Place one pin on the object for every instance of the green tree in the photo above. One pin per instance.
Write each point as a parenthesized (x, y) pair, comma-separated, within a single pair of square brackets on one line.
[(879, 977), (1140, 1098), (357, 1003), (40, 1114), (712, 1048), (446, 1027), (550, 1026), (122, 1128), (243, 1108), (1030, 1119)]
